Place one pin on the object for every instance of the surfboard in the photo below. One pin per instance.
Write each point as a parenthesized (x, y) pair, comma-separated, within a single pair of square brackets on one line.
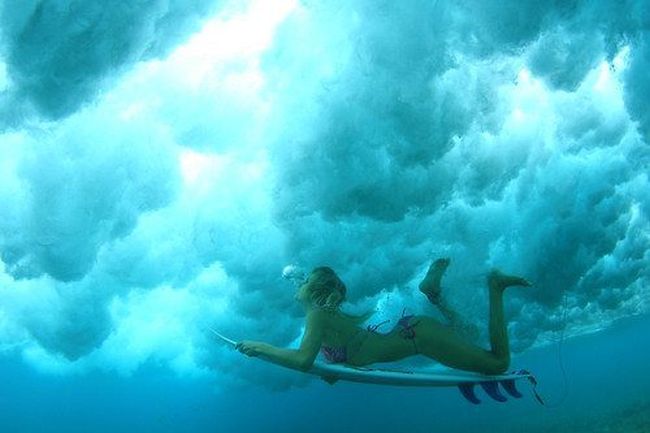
[(465, 381)]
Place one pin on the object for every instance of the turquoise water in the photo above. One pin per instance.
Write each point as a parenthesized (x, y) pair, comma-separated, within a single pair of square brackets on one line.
[(161, 163), (605, 391)]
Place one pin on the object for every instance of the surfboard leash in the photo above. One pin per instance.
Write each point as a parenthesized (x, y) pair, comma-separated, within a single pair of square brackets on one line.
[(533, 383)]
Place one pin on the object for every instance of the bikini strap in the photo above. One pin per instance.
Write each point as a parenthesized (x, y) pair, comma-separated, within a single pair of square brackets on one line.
[(373, 328)]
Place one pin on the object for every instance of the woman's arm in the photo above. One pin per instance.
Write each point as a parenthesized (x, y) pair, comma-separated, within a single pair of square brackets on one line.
[(297, 359)]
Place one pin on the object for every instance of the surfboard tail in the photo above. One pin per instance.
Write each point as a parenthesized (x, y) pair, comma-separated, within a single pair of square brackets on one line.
[(493, 389)]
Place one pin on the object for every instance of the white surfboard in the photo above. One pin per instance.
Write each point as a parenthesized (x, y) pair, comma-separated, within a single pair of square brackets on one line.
[(465, 381)]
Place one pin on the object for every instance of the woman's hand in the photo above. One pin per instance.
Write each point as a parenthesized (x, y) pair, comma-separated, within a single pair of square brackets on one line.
[(250, 348)]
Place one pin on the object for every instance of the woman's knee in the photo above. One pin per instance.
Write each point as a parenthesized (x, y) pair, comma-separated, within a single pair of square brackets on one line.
[(497, 365)]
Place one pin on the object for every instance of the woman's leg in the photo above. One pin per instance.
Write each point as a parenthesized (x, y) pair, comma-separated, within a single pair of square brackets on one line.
[(444, 345), (430, 284), (431, 287)]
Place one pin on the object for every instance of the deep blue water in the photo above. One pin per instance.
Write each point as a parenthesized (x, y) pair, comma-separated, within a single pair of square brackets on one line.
[(606, 376)]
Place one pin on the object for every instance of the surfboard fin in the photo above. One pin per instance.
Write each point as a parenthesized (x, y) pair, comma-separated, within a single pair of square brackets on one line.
[(510, 388), (492, 389), (467, 390), (330, 379)]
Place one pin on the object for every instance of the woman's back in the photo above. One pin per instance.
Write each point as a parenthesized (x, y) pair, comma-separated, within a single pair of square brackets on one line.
[(345, 340), (340, 329)]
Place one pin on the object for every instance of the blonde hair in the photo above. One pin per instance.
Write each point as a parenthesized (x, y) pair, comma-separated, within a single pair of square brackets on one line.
[(327, 291)]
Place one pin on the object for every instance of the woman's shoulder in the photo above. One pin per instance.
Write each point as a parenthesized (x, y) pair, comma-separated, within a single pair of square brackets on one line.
[(335, 320), (326, 318), (320, 315)]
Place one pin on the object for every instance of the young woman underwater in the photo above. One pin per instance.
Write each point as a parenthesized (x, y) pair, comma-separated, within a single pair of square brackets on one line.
[(342, 339)]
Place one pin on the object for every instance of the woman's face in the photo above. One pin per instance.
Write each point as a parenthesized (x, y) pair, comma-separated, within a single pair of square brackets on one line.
[(302, 294)]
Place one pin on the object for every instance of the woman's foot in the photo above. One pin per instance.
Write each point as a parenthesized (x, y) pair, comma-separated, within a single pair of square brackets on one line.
[(430, 285), (499, 281)]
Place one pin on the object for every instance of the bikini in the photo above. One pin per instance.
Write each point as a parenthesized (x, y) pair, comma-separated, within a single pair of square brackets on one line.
[(405, 326)]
